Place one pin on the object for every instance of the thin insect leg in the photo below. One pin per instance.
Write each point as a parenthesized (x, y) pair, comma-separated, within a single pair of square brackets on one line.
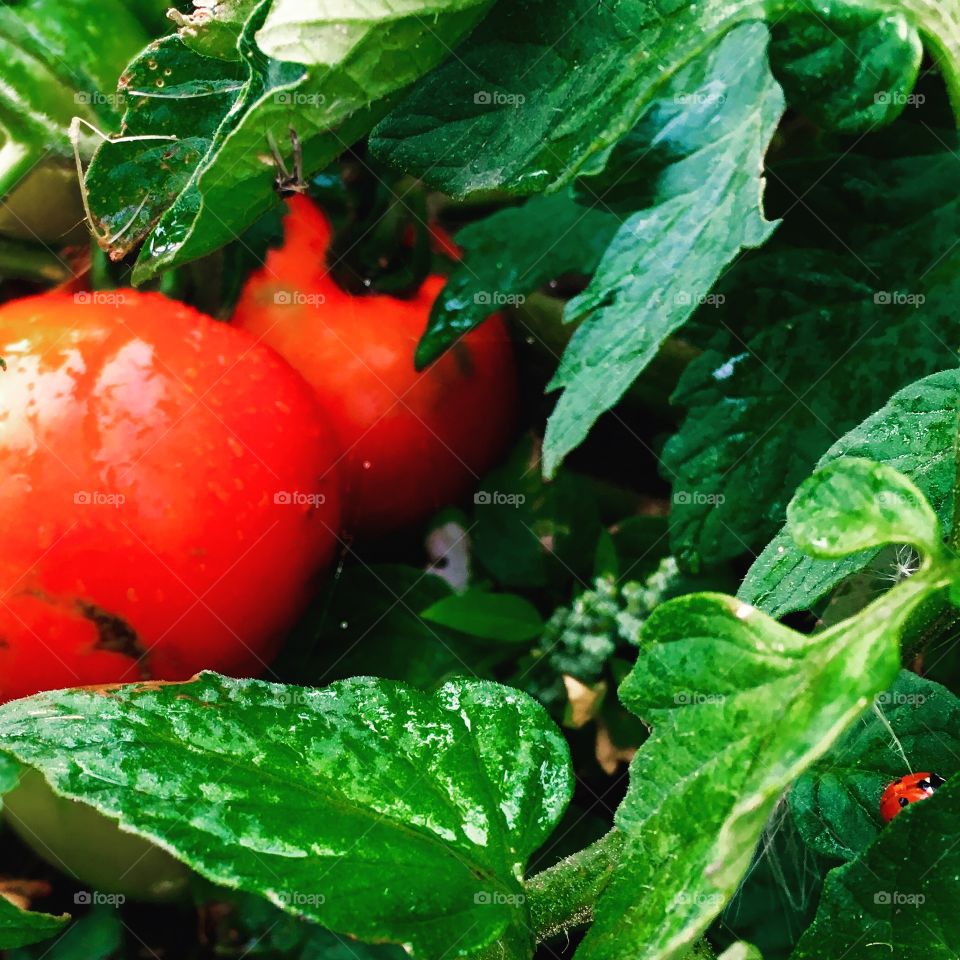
[(297, 156), (130, 222), (74, 134), (278, 158)]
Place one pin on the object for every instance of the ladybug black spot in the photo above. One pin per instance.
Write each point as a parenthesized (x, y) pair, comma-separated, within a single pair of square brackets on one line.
[(903, 801)]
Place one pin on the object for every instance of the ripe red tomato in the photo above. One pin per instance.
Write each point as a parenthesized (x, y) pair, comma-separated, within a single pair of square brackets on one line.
[(167, 492), (413, 442)]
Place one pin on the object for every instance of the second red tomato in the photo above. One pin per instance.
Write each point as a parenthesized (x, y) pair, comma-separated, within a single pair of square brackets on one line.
[(412, 442)]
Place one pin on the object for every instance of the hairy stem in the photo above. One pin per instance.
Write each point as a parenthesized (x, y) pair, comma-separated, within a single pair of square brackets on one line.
[(564, 896)]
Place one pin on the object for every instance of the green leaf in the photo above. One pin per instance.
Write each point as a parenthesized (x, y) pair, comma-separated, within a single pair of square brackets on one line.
[(739, 706), (777, 900), (505, 258), (9, 773), (897, 898), (60, 58), (505, 617), (916, 432), (214, 31), (366, 806), (915, 725), (852, 75), (96, 936), (853, 504), (388, 42), (343, 86), (177, 97), (531, 118), (18, 928), (710, 130), (765, 406)]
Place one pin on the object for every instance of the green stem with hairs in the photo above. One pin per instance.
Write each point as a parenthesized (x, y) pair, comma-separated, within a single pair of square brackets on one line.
[(563, 896)]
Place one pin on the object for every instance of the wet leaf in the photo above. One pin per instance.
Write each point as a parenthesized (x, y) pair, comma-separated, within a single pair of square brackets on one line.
[(898, 896), (177, 97), (852, 75), (244, 112), (504, 260), (504, 617), (700, 148), (854, 504), (766, 403), (491, 118), (913, 726), (739, 705), (916, 432), (18, 928), (366, 806)]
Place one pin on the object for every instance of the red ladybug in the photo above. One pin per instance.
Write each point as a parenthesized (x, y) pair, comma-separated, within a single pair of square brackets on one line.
[(907, 790)]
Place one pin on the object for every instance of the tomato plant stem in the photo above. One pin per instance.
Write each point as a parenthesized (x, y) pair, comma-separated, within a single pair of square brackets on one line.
[(564, 895)]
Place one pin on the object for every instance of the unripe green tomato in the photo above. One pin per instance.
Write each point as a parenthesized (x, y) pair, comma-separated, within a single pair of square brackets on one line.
[(90, 847), (45, 206)]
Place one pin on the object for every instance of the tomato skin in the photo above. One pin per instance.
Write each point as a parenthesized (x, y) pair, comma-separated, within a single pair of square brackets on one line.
[(413, 442), (145, 451)]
